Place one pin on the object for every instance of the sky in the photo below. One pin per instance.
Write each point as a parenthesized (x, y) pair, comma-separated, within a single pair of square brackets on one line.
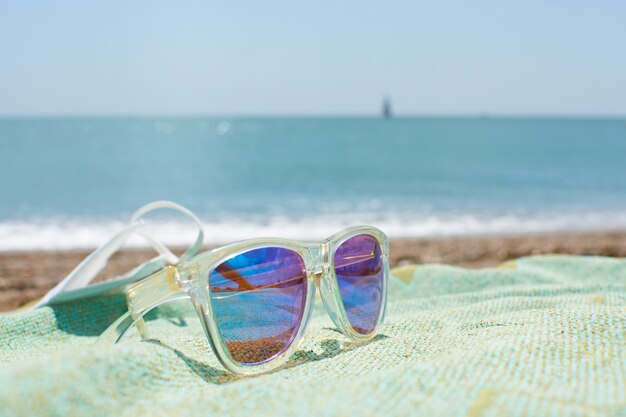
[(74, 58)]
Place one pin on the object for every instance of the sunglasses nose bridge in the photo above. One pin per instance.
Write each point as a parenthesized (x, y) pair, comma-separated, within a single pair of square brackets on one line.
[(321, 263), (327, 286), (319, 272)]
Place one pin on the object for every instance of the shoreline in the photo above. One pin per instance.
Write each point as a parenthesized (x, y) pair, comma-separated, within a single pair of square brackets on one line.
[(27, 275)]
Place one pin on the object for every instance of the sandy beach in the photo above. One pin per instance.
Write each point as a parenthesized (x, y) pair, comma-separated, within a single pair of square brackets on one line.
[(25, 276)]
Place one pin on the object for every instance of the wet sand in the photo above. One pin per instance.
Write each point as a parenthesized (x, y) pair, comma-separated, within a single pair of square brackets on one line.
[(25, 276)]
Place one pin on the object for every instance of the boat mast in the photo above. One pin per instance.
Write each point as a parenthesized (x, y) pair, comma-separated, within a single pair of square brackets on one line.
[(387, 107)]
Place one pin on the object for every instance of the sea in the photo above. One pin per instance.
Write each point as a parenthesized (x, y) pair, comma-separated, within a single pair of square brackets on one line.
[(73, 182)]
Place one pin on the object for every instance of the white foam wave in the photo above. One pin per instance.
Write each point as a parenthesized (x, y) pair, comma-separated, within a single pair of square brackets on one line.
[(50, 234)]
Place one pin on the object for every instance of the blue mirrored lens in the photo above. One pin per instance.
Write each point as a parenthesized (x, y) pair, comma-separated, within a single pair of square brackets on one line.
[(359, 268), (258, 300)]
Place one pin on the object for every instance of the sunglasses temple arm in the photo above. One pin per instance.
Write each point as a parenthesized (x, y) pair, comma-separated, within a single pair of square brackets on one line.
[(153, 291), (75, 284)]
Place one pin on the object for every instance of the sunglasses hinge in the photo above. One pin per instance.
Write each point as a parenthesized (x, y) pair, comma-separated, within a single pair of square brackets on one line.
[(183, 275)]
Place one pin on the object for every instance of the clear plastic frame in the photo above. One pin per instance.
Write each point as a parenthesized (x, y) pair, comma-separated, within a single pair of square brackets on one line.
[(189, 279)]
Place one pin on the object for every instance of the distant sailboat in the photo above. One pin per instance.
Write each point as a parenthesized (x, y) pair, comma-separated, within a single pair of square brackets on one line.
[(387, 108)]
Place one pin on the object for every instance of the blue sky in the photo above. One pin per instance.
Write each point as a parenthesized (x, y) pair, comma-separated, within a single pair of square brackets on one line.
[(325, 57)]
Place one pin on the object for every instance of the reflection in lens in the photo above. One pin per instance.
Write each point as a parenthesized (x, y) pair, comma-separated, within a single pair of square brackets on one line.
[(359, 268), (258, 301)]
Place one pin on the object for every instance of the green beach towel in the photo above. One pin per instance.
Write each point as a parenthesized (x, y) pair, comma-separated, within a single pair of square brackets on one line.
[(537, 337)]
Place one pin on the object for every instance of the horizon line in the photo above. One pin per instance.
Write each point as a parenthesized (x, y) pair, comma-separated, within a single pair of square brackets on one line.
[(194, 115)]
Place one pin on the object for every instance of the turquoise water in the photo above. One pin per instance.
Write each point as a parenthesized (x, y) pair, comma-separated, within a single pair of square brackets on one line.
[(70, 182)]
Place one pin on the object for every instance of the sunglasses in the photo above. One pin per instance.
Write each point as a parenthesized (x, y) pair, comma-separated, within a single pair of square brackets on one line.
[(254, 298)]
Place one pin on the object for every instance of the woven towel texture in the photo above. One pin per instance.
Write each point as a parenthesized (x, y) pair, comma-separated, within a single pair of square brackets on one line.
[(541, 336)]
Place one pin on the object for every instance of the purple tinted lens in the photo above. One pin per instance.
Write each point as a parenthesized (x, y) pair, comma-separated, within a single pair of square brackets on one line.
[(258, 300), (360, 273)]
